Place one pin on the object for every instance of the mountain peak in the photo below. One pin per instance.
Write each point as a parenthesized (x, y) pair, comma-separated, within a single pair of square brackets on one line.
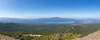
[(55, 17)]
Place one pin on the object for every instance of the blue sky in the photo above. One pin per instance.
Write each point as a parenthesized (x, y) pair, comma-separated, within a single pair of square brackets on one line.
[(50, 8)]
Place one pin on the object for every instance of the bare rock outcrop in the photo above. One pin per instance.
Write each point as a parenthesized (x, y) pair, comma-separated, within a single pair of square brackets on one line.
[(3, 37), (92, 36)]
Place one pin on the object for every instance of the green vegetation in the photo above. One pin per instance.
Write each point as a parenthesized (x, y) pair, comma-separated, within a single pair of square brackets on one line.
[(67, 36), (49, 31)]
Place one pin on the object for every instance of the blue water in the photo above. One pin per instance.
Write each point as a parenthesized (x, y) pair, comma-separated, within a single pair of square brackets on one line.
[(59, 22)]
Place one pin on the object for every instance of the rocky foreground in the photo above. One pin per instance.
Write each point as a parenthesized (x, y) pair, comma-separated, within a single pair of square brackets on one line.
[(3, 37), (92, 36)]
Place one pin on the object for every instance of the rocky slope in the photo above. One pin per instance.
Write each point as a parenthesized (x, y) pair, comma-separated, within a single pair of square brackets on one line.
[(3, 37), (92, 36)]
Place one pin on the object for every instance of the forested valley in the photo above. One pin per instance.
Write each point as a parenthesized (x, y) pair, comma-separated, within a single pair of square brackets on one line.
[(47, 31)]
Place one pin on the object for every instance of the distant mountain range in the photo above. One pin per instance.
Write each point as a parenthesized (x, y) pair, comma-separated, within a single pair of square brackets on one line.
[(53, 20)]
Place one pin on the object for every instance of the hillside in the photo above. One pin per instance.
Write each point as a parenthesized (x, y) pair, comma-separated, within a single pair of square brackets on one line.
[(92, 36), (17, 30)]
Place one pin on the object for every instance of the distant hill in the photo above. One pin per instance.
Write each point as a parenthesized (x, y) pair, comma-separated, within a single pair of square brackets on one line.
[(54, 20)]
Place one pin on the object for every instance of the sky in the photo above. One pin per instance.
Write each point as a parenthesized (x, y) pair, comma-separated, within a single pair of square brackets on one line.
[(50, 8)]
